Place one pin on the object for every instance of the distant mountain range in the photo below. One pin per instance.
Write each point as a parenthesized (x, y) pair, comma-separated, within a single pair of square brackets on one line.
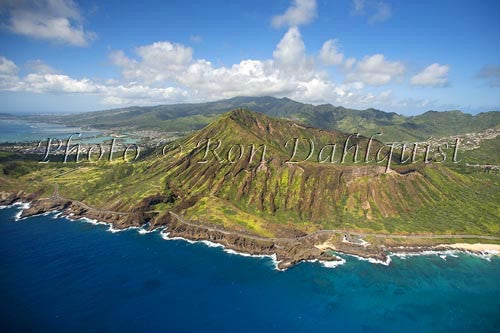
[(187, 117)]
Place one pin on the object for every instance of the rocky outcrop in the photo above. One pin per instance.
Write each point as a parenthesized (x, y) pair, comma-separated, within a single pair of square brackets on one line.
[(41, 206), (9, 198), (288, 251), (76, 210)]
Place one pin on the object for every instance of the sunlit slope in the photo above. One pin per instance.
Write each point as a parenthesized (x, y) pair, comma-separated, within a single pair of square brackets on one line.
[(275, 197), (187, 117)]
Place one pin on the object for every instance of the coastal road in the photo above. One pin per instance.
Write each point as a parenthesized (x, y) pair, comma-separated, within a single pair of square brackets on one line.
[(332, 232), (56, 196), (286, 239)]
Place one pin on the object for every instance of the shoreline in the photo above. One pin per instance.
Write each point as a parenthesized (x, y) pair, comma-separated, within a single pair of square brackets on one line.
[(284, 253)]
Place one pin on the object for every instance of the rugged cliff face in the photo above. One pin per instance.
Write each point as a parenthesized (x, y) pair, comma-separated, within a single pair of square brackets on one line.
[(288, 251), (250, 160), (276, 197)]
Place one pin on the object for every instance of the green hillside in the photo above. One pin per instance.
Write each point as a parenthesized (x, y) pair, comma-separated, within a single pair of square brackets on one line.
[(275, 198), (487, 153), (188, 117)]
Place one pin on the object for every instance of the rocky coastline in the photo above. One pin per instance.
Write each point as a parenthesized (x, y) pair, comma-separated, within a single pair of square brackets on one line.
[(287, 251)]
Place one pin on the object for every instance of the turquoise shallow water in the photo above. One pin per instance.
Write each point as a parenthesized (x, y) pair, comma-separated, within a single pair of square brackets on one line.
[(59, 275), (21, 131)]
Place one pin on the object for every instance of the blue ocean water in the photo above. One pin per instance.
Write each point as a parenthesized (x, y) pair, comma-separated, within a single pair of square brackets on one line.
[(13, 130), (59, 275)]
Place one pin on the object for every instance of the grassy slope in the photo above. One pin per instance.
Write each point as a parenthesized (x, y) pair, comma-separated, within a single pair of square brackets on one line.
[(280, 198), (187, 117), (487, 153), (396, 127)]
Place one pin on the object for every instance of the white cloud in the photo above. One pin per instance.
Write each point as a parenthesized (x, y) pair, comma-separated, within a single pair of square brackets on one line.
[(300, 12), (376, 71), (44, 80), (291, 58), (158, 61), (165, 72), (57, 83), (249, 77), (200, 81), (349, 62), (8, 73), (291, 49), (163, 62), (434, 75), (7, 67), (54, 20), (40, 67), (330, 55)]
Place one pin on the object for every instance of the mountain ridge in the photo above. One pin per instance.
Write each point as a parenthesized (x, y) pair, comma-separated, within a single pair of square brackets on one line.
[(193, 116), (279, 196)]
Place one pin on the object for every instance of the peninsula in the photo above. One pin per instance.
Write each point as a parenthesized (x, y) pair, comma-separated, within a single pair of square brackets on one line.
[(295, 211)]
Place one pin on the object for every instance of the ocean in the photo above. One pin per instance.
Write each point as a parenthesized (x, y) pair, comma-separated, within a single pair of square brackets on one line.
[(14, 130), (58, 275)]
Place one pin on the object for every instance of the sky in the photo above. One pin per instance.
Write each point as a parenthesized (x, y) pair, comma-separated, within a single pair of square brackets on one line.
[(400, 56)]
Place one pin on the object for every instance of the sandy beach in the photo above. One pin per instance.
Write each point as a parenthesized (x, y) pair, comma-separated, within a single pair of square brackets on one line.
[(491, 248)]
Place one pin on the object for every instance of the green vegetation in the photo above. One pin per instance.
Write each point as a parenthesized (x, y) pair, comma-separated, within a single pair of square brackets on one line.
[(277, 198), (188, 117), (487, 153)]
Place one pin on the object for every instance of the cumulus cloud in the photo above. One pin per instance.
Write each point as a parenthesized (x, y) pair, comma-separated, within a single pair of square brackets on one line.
[(299, 13), (291, 58), (291, 49), (40, 67), (330, 55), (45, 79), (434, 75), (349, 63), (8, 73), (54, 20), (158, 61), (57, 83), (491, 73), (376, 71), (164, 62), (44, 82), (7, 67), (291, 72), (166, 72)]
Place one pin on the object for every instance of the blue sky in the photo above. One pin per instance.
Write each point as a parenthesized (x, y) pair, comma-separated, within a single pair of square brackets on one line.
[(402, 56)]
